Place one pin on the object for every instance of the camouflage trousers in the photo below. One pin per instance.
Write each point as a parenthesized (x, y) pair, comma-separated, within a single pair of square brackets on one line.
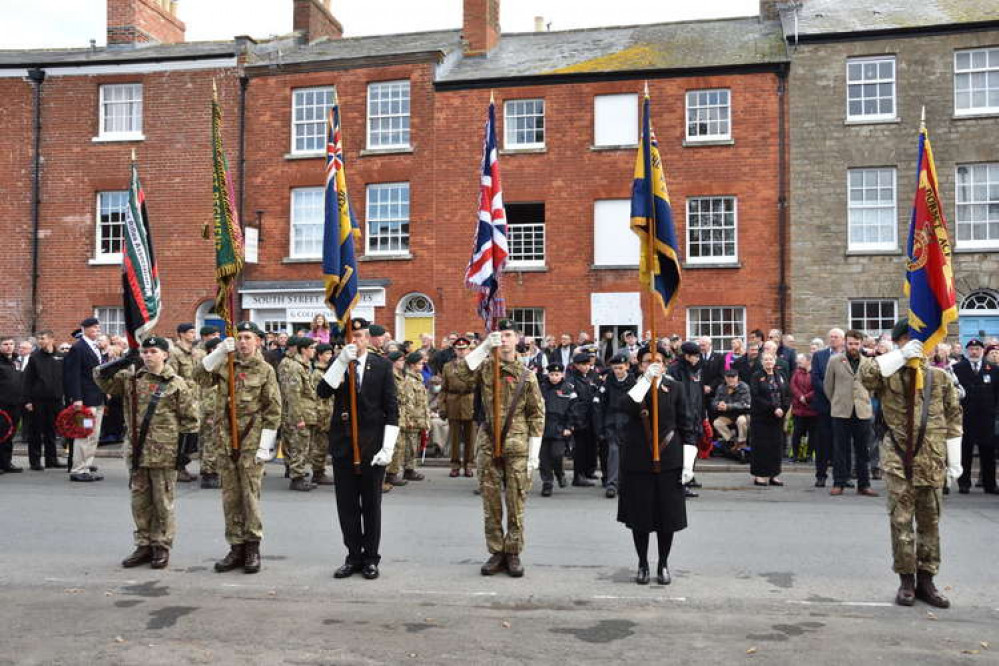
[(153, 491), (508, 482), (404, 456), (318, 450), (297, 449), (919, 549), (208, 441), (241, 497)]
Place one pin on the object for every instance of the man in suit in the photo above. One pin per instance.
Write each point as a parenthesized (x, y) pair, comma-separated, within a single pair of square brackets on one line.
[(980, 380), (852, 415), (359, 488), (712, 367), (823, 430), (81, 391)]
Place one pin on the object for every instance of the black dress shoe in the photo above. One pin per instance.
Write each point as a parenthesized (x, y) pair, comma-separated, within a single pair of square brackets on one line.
[(562, 483), (663, 576), (37, 468), (582, 482), (84, 477), (820, 483), (777, 482), (964, 490), (687, 492), (611, 492), (370, 571), (346, 571), (759, 483), (642, 577), (12, 469)]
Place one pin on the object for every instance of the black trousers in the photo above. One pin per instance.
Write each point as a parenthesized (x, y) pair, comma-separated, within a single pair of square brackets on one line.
[(41, 434), (359, 509), (803, 425), (552, 453), (986, 458), (584, 453), (7, 447), (851, 435), (822, 433)]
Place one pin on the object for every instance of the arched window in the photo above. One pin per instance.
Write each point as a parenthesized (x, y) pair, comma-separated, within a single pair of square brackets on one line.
[(414, 316), (416, 305), (980, 302)]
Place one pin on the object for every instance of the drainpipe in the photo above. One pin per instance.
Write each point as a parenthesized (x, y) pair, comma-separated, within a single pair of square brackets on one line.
[(37, 76), (782, 206)]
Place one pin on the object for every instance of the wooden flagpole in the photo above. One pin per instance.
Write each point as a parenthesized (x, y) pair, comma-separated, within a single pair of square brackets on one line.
[(650, 249)]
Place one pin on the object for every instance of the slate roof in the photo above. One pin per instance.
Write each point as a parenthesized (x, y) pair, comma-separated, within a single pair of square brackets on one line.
[(103, 54), (348, 48), (824, 17)]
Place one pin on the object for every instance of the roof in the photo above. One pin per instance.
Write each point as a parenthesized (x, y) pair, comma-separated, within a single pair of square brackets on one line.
[(115, 54), (287, 52), (680, 45), (828, 17)]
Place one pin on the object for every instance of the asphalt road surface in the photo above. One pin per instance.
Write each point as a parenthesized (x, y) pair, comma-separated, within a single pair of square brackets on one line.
[(762, 575)]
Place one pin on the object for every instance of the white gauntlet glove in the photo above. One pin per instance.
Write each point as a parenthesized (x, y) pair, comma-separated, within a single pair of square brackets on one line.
[(689, 456), (954, 469), (912, 349), (478, 355), (265, 450), (217, 356), (384, 455), (533, 454), (641, 387), (334, 375)]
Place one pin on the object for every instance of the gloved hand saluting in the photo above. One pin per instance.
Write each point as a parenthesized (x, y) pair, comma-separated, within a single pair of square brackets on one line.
[(217, 356), (912, 349)]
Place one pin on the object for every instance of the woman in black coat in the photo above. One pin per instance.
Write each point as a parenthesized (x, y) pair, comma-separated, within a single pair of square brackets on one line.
[(770, 398), (649, 501)]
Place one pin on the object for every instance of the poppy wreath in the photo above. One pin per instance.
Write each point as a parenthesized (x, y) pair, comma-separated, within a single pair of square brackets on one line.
[(6, 427), (69, 423)]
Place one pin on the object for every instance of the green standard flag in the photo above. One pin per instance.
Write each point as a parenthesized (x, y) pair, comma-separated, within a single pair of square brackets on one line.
[(228, 238), (140, 278)]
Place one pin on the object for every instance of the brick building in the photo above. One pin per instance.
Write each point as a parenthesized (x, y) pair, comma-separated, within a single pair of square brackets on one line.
[(859, 79)]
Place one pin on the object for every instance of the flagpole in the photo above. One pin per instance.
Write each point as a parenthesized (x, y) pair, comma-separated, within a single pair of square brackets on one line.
[(913, 369), (133, 433), (650, 249), (497, 408)]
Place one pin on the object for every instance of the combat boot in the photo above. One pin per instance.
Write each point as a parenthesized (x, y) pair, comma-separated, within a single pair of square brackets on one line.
[(906, 590), (209, 480), (183, 476), (251, 555), (546, 489), (161, 557), (495, 564), (140, 555), (233, 560), (927, 591), (319, 478), (412, 475), (300, 483), (393, 479), (513, 565)]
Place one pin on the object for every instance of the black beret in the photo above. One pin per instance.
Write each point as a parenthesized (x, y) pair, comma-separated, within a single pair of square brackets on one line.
[(212, 344), (395, 355), (248, 326), (89, 321), (507, 325), (975, 342), (731, 372), (323, 347), (555, 367), (359, 324), (302, 343), (620, 358), (414, 358), (376, 330), (582, 357), (159, 343), (461, 343), (208, 330), (900, 328), (689, 347), (184, 328)]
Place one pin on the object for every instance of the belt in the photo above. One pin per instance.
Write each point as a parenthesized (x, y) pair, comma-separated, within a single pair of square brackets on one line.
[(461, 392)]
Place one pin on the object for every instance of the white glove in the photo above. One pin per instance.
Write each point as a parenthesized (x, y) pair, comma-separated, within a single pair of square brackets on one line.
[(654, 371), (384, 455), (265, 450), (689, 455), (348, 354), (475, 357), (641, 387), (912, 349), (533, 455), (217, 356), (334, 374), (890, 363), (954, 469)]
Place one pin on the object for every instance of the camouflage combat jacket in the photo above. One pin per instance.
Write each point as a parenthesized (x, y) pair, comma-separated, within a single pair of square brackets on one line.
[(176, 412), (416, 415), (258, 399), (528, 419), (298, 392), (943, 422), (183, 361), (324, 406), (457, 397)]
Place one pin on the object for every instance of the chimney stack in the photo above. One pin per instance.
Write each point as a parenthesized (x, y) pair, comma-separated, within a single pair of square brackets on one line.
[(480, 30), (769, 11), (132, 22), (314, 20)]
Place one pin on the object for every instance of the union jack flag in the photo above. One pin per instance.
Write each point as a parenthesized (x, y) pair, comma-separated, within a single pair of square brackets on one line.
[(490, 251)]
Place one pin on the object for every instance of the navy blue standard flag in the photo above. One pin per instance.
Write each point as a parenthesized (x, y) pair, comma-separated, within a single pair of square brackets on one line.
[(340, 227)]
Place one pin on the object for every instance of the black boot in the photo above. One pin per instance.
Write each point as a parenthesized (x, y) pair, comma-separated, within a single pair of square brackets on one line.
[(141, 555), (251, 557), (906, 595), (927, 591), (642, 577), (662, 574), (546, 489), (233, 560)]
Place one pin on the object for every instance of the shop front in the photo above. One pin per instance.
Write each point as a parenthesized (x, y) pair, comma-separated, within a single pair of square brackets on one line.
[(290, 306)]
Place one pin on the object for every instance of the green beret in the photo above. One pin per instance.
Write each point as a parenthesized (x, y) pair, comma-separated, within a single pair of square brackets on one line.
[(302, 343), (507, 325), (208, 330), (414, 358), (900, 328), (249, 326), (376, 330), (157, 342), (395, 355)]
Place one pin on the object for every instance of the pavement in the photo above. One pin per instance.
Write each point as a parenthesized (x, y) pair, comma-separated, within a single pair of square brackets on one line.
[(762, 575)]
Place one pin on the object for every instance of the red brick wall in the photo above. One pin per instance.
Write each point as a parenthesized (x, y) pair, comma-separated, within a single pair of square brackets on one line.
[(313, 19), (131, 21), (480, 26)]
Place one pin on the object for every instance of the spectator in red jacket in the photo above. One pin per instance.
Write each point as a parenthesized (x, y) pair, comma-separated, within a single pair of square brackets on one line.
[(805, 415)]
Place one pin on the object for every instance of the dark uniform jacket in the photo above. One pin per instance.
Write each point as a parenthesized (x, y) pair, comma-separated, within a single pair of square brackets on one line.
[(78, 375), (43, 376), (377, 407), (674, 417), (613, 406), (981, 391), (586, 390), (10, 382), (820, 401), (560, 407), (689, 378)]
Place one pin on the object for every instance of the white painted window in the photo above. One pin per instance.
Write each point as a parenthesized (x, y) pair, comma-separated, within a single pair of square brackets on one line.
[(524, 123), (308, 206), (388, 218), (873, 316), (388, 114), (615, 120), (976, 81), (111, 207), (525, 234), (721, 324), (872, 209), (870, 88), (121, 111), (614, 243), (712, 230), (309, 107), (708, 115), (978, 206), (112, 320), (530, 320)]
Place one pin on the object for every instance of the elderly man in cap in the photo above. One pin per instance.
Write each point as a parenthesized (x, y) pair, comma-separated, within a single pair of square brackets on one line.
[(378, 338), (183, 359), (980, 380), (916, 461), (81, 391), (165, 412), (258, 414), (457, 402)]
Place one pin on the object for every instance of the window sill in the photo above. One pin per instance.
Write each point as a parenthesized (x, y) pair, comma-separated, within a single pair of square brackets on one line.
[(896, 252), (386, 257), (304, 156), (525, 269), (976, 250), (302, 260), (872, 121), (694, 143), (372, 152), (104, 261), (623, 146), (974, 115), (536, 150), (613, 267), (118, 138), (718, 264)]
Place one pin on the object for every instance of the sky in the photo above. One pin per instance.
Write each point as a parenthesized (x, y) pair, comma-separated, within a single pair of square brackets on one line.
[(73, 23)]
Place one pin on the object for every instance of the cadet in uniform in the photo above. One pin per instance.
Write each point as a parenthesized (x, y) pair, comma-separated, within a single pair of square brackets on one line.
[(457, 402), (614, 410), (560, 414), (324, 410), (208, 435), (915, 490), (414, 418), (184, 357), (522, 410), (165, 412), (585, 451), (258, 415), (298, 409)]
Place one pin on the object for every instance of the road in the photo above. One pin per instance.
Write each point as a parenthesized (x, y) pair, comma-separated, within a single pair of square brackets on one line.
[(763, 575)]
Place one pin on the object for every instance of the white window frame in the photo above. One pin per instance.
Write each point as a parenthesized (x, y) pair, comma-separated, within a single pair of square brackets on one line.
[(961, 207), (298, 224), (717, 341), (610, 104), (883, 246), (134, 117), (873, 117), (374, 132), (714, 259), (403, 219), (101, 257), (538, 321), (112, 319), (621, 232), (510, 131), (708, 107), (305, 124), (988, 72), (515, 231), (881, 302)]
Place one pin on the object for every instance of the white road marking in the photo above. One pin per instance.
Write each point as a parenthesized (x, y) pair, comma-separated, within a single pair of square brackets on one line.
[(869, 604), (463, 594), (615, 596)]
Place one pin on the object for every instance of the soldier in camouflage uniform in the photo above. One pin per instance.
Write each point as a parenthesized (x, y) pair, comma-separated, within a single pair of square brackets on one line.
[(153, 476), (404, 398), (414, 419), (258, 415), (208, 437), (915, 491), (183, 358), (457, 403), (324, 412), (521, 444), (298, 392)]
